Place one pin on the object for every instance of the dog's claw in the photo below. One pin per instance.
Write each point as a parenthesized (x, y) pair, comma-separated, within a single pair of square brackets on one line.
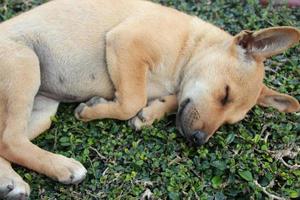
[(11, 188), (135, 123), (79, 110), (141, 120), (141, 116)]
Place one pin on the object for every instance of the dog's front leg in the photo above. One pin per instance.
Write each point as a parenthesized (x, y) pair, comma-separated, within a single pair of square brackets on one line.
[(128, 59), (155, 110)]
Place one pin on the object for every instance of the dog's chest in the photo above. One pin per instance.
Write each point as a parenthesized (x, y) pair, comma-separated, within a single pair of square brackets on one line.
[(160, 82)]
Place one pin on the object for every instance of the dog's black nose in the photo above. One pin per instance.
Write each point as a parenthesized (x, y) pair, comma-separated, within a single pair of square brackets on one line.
[(199, 138)]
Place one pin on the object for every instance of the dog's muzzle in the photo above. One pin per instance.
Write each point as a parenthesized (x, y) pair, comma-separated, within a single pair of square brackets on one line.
[(194, 137), (199, 138)]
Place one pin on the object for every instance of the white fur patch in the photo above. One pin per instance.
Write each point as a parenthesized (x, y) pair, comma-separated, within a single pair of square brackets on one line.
[(196, 88), (79, 175)]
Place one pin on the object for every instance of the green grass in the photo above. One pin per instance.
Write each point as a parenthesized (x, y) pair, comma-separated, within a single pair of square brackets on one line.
[(123, 163)]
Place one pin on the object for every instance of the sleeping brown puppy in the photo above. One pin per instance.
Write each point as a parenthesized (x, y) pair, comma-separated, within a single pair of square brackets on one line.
[(127, 59)]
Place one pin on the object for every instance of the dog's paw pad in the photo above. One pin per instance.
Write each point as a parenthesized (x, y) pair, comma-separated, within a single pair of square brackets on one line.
[(13, 188), (96, 100)]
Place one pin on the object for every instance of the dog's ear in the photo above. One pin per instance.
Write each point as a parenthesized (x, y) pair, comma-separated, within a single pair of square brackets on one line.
[(267, 42), (282, 102)]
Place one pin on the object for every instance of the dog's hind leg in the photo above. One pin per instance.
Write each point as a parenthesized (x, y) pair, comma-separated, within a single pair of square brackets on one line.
[(20, 81), (43, 109), (12, 186)]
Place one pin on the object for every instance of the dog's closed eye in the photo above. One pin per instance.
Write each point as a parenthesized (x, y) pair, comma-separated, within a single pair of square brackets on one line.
[(225, 98)]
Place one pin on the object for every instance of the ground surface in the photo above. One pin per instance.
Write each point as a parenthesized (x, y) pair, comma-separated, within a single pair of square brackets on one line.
[(236, 163)]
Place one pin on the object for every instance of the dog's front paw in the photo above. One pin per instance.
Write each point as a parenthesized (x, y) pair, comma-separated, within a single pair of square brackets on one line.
[(81, 110), (66, 170), (143, 119), (13, 187)]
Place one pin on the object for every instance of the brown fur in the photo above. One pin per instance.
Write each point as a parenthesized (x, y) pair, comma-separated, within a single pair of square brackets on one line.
[(121, 55)]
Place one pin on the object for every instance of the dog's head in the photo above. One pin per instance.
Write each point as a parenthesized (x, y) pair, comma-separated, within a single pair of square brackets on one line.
[(222, 83)]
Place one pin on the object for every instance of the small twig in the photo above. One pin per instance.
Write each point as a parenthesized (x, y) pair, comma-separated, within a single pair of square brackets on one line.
[(259, 151), (266, 137), (284, 153), (92, 195), (99, 154), (176, 160), (105, 171), (288, 165), (147, 195), (235, 152), (264, 128), (264, 189), (196, 195), (195, 173), (280, 154), (145, 183), (117, 175)]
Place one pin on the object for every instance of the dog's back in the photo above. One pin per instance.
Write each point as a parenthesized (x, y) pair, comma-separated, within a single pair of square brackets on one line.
[(78, 26), (69, 40)]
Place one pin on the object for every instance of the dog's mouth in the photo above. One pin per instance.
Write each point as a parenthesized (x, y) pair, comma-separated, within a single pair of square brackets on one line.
[(179, 118)]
